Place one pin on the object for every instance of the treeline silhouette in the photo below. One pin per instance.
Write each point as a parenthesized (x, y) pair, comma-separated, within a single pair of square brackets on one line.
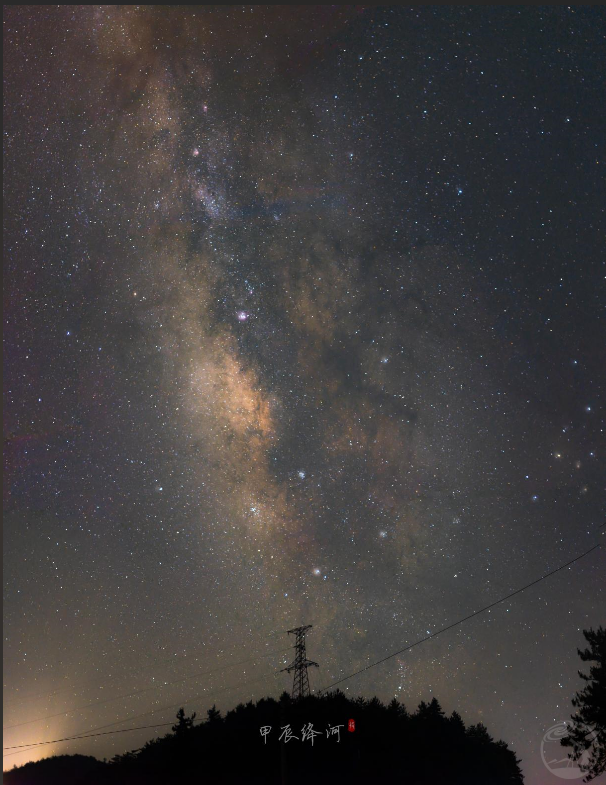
[(388, 745)]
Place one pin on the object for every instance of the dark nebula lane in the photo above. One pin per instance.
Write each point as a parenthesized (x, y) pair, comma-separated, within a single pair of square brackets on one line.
[(304, 325)]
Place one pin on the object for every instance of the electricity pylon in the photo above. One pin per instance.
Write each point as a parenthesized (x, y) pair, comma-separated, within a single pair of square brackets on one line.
[(300, 684)]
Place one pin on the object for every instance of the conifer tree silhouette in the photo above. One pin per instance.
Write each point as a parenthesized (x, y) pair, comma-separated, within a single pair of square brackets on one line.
[(184, 724), (588, 731)]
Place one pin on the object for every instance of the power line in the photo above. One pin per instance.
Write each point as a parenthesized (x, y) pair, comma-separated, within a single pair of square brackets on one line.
[(52, 693), (183, 702), (127, 730), (25, 747), (145, 689), (88, 736), (460, 621)]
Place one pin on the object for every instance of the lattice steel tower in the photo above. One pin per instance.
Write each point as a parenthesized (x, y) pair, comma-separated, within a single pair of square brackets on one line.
[(300, 684)]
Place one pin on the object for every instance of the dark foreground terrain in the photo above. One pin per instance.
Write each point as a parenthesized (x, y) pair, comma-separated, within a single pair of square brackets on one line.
[(386, 745)]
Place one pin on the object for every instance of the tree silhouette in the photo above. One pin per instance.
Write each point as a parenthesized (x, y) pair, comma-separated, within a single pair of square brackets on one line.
[(214, 715), (389, 744), (184, 724), (397, 709), (588, 731)]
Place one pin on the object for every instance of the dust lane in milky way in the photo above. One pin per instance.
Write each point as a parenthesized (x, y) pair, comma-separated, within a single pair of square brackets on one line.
[(303, 327)]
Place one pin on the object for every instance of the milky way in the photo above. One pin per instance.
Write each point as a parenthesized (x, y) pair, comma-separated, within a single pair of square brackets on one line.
[(304, 326)]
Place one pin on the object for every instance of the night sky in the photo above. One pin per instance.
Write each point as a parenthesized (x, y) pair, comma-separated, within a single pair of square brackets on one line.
[(304, 324)]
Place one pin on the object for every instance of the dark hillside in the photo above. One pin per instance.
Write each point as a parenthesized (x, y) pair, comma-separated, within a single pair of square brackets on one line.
[(303, 741)]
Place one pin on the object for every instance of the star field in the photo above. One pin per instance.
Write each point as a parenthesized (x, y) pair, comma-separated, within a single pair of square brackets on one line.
[(304, 324)]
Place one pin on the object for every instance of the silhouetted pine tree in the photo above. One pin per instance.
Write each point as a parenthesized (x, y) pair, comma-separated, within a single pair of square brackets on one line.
[(214, 716), (184, 724), (588, 731)]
